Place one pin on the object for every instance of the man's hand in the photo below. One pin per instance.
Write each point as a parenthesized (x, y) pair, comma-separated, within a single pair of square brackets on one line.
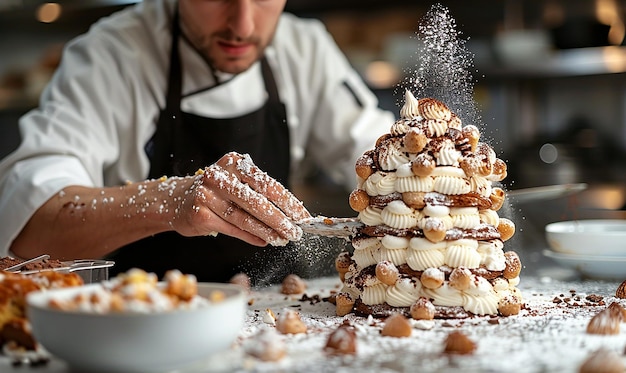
[(236, 198)]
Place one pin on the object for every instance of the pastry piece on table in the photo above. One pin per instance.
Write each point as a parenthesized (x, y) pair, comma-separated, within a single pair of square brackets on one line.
[(459, 344), (293, 284), (14, 326), (266, 345), (342, 341)]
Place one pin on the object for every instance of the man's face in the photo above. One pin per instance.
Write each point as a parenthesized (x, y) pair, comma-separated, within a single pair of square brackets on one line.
[(231, 34)]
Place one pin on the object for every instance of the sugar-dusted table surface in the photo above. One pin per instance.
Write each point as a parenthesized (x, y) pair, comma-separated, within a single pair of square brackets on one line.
[(549, 335)]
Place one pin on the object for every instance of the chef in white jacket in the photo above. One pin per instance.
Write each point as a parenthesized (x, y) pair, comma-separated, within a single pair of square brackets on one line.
[(165, 88)]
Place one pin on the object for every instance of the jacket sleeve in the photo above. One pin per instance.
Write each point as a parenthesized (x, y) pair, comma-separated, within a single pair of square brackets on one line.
[(70, 139)]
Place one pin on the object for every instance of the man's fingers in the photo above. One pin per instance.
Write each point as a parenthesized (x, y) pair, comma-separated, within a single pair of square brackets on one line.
[(230, 187), (241, 220), (249, 173), (214, 217)]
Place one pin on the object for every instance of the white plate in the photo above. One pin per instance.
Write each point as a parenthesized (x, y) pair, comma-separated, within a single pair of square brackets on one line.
[(598, 267)]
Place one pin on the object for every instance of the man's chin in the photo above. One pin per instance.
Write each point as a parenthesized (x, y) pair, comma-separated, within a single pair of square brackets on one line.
[(233, 67)]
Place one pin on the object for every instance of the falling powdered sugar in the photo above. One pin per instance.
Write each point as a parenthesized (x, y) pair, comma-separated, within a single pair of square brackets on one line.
[(443, 65), (311, 256)]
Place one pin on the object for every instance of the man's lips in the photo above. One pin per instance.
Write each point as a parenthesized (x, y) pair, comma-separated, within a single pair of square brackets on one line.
[(234, 49)]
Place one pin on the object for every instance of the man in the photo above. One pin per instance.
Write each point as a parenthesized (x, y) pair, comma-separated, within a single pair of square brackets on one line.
[(166, 88)]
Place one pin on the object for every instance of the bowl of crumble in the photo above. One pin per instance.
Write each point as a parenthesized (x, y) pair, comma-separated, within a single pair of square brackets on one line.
[(134, 323)]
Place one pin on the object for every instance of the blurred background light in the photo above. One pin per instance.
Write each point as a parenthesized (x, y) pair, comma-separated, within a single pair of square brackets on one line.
[(48, 12)]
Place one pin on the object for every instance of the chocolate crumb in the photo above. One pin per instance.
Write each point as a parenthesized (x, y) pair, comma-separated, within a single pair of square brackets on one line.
[(316, 298), (594, 298)]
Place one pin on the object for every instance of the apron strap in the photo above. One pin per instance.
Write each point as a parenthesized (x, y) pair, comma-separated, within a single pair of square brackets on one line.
[(270, 82), (174, 88)]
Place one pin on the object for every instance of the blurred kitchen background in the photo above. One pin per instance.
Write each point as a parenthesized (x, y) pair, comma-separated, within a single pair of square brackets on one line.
[(550, 85)]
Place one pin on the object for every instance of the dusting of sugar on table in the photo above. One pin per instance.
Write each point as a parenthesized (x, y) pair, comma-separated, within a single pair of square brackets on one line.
[(549, 335)]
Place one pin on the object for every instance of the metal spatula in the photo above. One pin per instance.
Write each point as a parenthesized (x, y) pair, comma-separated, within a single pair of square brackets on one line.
[(331, 227), (545, 192)]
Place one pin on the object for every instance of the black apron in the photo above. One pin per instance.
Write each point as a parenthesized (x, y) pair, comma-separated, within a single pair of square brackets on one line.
[(181, 145)]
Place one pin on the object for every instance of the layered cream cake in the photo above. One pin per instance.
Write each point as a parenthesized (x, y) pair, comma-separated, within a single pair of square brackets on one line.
[(432, 234)]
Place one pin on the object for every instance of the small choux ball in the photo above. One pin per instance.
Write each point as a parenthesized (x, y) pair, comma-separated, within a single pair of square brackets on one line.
[(359, 200), (432, 278), (460, 278), (513, 265), (422, 309), (415, 140), (497, 198), (387, 272), (506, 228), (423, 165)]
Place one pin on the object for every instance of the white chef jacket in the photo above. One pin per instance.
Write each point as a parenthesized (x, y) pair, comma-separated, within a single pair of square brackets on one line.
[(102, 104)]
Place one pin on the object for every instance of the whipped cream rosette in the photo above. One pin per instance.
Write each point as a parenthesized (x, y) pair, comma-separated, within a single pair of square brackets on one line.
[(425, 194)]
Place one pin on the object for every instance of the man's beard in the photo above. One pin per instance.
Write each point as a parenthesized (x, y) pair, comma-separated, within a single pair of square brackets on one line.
[(225, 64)]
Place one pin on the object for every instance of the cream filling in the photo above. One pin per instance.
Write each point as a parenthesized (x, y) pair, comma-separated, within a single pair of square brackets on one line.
[(355, 293), (480, 298), (398, 215), (451, 185), (404, 293), (421, 243), (366, 251), (448, 155), (394, 242), (437, 127), (480, 185), (448, 171), (443, 223), (410, 109), (395, 256), (366, 257), (415, 184), (376, 294), (365, 243), (486, 304), (400, 127), (393, 157), (404, 170), (380, 183), (436, 211), (444, 295), (492, 255), (422, 259), (465, 217), (500, 284), (460, 254), (371, 216), (489, 216)]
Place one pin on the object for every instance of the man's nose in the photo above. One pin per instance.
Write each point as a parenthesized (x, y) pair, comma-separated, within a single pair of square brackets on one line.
[(241, 20)]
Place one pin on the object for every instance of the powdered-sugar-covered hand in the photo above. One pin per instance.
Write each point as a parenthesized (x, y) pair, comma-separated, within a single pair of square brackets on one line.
[(234, 195)]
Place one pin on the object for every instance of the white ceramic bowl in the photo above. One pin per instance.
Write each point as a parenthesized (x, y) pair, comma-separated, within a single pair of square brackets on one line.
[(595, 267), (594, 237), (125, 342)]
